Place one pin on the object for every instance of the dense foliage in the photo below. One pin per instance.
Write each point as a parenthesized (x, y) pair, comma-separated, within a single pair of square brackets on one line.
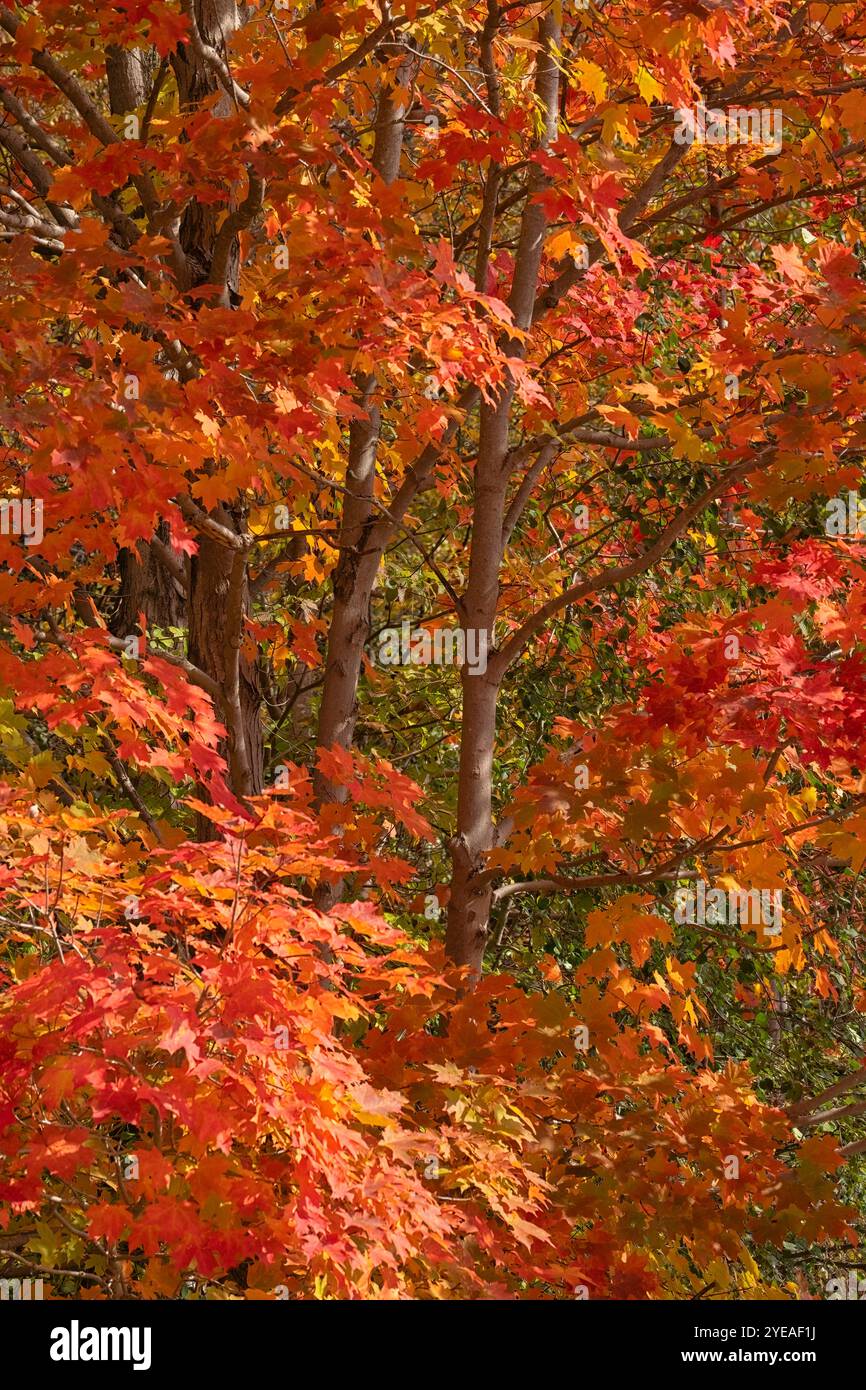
[(431, 687)]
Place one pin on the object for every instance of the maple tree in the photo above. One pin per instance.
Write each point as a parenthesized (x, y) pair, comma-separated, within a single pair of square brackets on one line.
[(332, 967)]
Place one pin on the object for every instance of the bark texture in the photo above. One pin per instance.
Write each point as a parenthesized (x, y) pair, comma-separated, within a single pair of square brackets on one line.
[(471, 896), (219, 597), (219, 601), (359, 561), (146, 585)]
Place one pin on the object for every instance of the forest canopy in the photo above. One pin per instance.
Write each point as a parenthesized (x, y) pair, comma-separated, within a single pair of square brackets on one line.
[(432, 790)]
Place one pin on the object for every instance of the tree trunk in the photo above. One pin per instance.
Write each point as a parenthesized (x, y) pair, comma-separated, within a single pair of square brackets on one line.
[(353, 585), (471, 892), (357, 568), (218, 576), (470, 899), (358, 565), (129, 72), (214, 636), (146, 585), (196, 82)]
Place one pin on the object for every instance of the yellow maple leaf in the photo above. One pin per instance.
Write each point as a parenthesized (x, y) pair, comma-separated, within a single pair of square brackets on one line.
[(647, 85), (590, 78)]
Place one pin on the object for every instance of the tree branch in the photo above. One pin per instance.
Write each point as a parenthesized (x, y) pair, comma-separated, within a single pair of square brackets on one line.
[(575, 885), (235, 222), (214, 530), (195, 674), (215, 61), (839, 1088), (614, 574)]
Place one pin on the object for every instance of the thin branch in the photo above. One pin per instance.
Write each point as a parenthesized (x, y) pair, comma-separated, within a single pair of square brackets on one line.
[(235, 222), (40, 137), (195, 674), (546, 454), (615, 574), (242, 780), (167, 557), (215, 61), (577, 885), (214, 530), (839, 1088), (840, 1112), (125, 782)]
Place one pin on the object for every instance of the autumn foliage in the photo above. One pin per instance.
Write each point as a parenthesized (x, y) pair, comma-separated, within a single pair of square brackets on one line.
[(330, 976), (314, 1107)]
